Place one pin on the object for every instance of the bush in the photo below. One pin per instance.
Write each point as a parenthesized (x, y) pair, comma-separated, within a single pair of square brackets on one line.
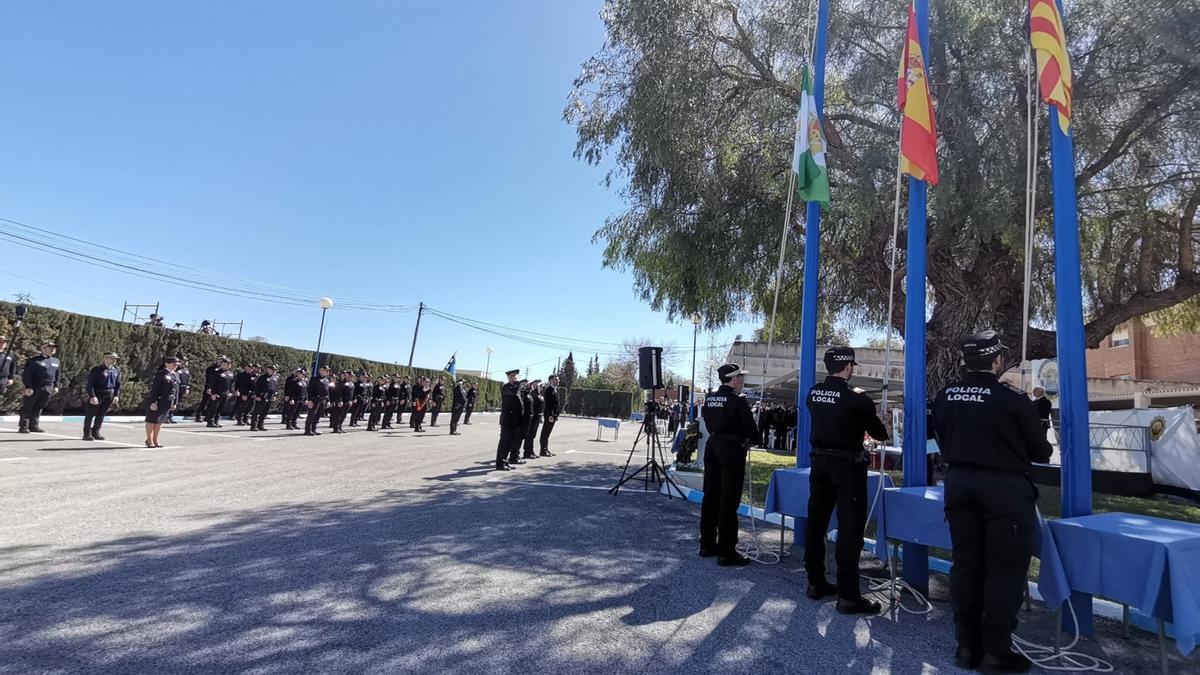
[(597, 403), (83, 340)]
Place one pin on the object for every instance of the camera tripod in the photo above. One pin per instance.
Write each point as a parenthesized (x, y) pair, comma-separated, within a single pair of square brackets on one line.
[(655, 467)]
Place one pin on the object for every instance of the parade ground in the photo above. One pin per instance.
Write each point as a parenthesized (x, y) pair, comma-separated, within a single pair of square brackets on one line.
[(234, 551)]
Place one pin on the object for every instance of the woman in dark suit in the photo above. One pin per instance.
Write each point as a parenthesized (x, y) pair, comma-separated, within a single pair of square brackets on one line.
[(164, 393)]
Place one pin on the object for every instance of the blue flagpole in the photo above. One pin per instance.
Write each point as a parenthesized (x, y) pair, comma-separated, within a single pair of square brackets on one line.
[(1074, 447), (916, 556), (812, 250)]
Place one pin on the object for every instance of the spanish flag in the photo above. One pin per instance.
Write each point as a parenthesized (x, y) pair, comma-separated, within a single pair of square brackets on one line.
[(918, 132), (1049, 42)]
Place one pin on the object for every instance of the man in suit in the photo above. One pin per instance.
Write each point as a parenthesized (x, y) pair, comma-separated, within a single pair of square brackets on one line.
[(550, 414), (439, 395), (472, 393)]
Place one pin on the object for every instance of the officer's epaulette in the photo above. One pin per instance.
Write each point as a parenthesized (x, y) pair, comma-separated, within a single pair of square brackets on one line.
[(1013, 388)]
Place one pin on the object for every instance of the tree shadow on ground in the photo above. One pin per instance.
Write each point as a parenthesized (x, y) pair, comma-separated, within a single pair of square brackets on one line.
[(458, 575)]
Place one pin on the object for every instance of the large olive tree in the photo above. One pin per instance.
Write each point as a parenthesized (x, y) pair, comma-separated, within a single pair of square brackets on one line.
[(691, 103)]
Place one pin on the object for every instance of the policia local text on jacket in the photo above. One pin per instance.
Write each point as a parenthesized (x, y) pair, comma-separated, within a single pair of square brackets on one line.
[(988, 434), (731, 432)]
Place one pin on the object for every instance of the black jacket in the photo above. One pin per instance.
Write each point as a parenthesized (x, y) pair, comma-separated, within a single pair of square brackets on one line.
[(218, 381), (266, 386), (471, 394), (511, 407), (982, 422), (550, 396), (439, 393), (41, 372), (840, 416), (460, 398), (164, 390), (101, 377), (318, 388), (243, 383), (728, 418)]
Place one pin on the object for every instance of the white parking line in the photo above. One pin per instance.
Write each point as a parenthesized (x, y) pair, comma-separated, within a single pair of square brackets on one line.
[(559, 485), (12, 459), (47, 433), (194, 433), (588, 452)]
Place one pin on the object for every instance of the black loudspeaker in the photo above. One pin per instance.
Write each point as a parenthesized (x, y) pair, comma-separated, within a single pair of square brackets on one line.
[(683, 394), (650, 367)]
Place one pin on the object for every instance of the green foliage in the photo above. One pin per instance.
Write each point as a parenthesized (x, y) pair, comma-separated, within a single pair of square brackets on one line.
[(693, 103), (1178, 320), (82, 341), (568, 375), (597, 402)]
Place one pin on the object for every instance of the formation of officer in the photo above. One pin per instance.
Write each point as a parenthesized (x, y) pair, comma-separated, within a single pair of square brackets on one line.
[(40, 378), (989, 434), (838, 478), (731, 432), (103, 390)]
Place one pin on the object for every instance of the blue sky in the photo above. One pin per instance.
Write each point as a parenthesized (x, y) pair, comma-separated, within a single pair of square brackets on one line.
[(397, 152)]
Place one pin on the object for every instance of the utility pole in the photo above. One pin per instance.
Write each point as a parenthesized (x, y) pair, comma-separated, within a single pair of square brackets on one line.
[(420, 311)]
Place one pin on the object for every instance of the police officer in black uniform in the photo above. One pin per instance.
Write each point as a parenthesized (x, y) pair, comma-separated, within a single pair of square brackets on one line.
[(731, 432), (510, 419), (318, 398), (362, 393), (472, 393), (458, 403), (8, 365), (989, 433), (537, 408), (295, 395), (514, 453), (379, 401), (243, 389), (1043, 406), (840, 417), (41, 378), (344, 396), (103, 390), (184, 377), (202, 406), (217, 386), (438, 396), (265, 388), (550, 414)]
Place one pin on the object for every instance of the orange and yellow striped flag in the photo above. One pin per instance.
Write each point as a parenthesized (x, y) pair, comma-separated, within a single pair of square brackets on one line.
[(1049, 42), (918, 132)]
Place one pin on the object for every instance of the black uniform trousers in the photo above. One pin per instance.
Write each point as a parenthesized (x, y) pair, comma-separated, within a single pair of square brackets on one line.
[(241, 409), (212, 413), (434, 409), (388, 410), (544, 440), (31, 407), (416, 419), (290, 412), (261, 408), (314, 416), (93, 415), (724, 474), (993, 525), (514, 453), (455, 415), (337, 416), (356, 411), (376, 414), (467, 418), (531, 433), (510, 436), (841, 482)]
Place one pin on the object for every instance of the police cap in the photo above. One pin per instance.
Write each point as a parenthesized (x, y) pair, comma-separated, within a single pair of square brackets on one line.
[(272, 366), (113, 355), (49, 343), (170, 359), (223, 359), (729, 371), (986, 343), (836, 358), (515, 371)]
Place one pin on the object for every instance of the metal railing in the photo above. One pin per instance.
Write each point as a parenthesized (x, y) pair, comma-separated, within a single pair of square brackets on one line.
[(1116, 437)]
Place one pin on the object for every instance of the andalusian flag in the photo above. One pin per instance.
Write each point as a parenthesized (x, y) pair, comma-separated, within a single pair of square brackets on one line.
[(1053, 65), (808, 155), (918, 132)]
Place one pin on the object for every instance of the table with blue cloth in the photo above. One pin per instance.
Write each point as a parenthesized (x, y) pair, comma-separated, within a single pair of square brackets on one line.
[(787, 495), (608, 423), (913, 514), (1152, 564)]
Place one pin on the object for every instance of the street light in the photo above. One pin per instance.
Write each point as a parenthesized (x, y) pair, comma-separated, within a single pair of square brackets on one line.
[(692, 389), (487, 370), (325, 304)]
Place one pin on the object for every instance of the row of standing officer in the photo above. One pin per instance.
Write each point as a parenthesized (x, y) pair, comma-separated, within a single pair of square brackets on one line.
[(524, 407)]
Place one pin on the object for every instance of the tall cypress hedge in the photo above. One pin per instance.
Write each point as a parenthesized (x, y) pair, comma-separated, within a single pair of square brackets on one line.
[(83, 340)]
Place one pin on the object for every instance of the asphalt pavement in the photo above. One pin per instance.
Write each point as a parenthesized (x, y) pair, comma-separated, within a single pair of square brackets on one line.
[(268, 552)]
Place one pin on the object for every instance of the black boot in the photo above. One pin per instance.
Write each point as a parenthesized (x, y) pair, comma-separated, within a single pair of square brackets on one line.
[(87, 434), (1011, 662)]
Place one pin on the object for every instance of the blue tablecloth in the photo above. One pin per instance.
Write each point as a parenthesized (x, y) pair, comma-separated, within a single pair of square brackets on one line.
[(787, 493), (1152, 564), (913, 514)]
